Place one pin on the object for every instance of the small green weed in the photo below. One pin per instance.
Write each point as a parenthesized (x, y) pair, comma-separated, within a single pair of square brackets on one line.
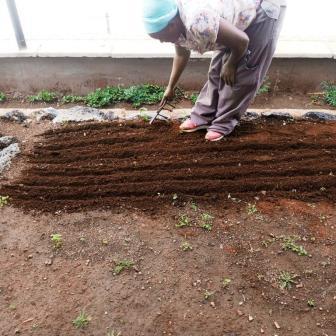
[(122, 265), (251, 209), (183, 221), (226, 282), (193, 97), (286, 280), (208, 295), (105, 97), (4, 200), (2, 97), (329, 93), (265, 87), (81, 321), (68, 99), (43, 96), (311, 303), (57, 240), (290, 244), (206, 221), (186, 247)]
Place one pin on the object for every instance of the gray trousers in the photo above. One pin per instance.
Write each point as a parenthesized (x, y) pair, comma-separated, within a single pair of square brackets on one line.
[(221, 106)]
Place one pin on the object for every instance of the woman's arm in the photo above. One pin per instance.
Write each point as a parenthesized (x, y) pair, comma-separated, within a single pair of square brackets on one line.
[(237, 41), (181, 59)]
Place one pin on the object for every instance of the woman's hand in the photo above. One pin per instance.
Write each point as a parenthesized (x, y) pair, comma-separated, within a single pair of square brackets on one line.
[(228, 73), (167, 96)]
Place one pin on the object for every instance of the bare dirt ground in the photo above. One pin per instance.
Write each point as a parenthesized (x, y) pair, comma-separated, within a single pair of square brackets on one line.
[(210, 230)]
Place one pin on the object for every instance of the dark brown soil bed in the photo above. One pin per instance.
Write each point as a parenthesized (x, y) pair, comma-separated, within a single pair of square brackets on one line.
[(219, 275), (99, 165)]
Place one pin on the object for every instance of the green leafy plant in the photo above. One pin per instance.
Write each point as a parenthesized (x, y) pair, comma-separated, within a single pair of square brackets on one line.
[(183, 221), (265, 87), (68, 99), (82, 320), (143, 94), (226, 282), (251, 209), (207, 221), (329, 93), (43, 96), (2, 97), (286, 280), (186, 247), (290, 244), (57, 240), (4, 200), (193, 97), (104, 97), (122, 265)]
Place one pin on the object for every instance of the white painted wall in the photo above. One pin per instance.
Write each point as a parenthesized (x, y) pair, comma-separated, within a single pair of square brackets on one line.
[(48, 21)]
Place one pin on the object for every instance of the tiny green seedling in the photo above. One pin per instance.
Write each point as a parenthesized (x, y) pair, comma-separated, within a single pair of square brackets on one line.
[(208, 295), (186, 247), (286, 280), (2, 97), (82, 320), (4, 200), (311, 303), (193, 98), (226, 282), (207, 221), (290, 244), (251, 209), (122, 265), (57, 240), (183, 221)]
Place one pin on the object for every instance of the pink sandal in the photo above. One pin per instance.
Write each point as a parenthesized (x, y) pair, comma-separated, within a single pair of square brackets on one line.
[(188, 126), (213, 136)]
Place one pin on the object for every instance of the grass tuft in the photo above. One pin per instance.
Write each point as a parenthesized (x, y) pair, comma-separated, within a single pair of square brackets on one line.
[(81, 321)]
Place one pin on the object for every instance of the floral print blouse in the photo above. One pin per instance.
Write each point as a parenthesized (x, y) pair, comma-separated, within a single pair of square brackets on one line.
[(201, 19)]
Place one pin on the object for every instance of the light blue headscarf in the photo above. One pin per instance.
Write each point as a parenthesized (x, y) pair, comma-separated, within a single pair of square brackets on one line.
[(158, 13)]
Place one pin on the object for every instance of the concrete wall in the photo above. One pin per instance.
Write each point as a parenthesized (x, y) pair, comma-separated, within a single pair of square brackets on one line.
[(83, 74)]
